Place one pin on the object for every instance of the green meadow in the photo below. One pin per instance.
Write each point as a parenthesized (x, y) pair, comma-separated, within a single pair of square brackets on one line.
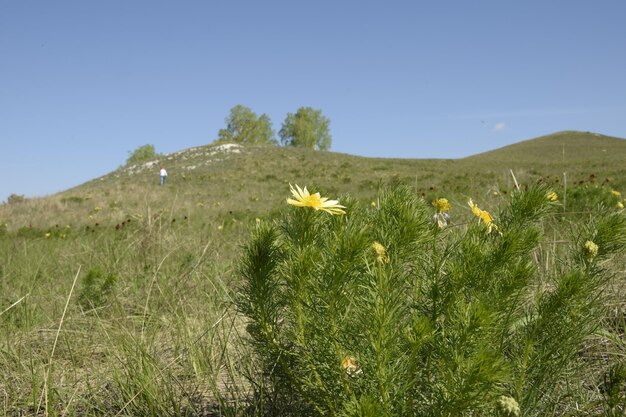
[(212, 296)]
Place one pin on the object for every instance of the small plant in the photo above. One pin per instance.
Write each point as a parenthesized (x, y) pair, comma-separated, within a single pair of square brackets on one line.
[(382, 312), (97, 288)]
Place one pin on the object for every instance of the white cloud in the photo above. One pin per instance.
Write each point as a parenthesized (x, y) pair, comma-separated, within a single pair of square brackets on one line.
[(499, 126)]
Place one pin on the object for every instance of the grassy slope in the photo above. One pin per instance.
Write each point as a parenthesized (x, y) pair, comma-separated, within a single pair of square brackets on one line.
[(243, 182), (175, 261)]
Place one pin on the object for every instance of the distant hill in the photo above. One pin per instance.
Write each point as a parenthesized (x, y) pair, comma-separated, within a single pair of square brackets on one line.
[(562, 148), (232, 181)]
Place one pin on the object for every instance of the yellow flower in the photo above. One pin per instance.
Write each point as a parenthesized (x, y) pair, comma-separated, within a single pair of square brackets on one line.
[(349, 365), (484, 216), (441, 204), (591, 249), (616, 193), (381, 253), (48, 234), (552, 196), (507, 406), (620, 205), (305, 199)]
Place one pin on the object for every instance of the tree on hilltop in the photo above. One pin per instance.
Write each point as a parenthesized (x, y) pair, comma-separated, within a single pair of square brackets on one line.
[(307, 128), (243, 125), (141, 154)]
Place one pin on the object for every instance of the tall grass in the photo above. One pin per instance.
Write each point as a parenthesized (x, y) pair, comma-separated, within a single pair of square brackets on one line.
[(146, 327)]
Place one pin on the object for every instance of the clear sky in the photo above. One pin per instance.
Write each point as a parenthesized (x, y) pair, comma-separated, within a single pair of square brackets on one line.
[(83, 82)]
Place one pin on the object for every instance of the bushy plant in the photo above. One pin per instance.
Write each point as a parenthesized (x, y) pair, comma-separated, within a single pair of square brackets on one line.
[(97, 287), (16, 199), (386, 311), (141, 154)]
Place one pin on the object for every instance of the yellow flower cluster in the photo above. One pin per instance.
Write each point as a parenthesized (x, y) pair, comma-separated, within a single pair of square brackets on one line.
[(381, 253), (591, 249), (302, 198), (552, 196), (441, 205), (484, 216), (507, 406)]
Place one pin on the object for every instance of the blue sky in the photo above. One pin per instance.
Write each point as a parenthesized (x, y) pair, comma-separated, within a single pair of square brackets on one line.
[(83, 82)]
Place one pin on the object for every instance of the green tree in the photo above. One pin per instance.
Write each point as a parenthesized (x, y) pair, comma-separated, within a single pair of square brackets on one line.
[(308, 128), (141, 154), (243, 125)]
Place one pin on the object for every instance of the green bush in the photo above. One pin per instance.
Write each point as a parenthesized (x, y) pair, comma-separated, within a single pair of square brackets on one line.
[(141, 154), (381, 312), (97, 287), (16, 199)]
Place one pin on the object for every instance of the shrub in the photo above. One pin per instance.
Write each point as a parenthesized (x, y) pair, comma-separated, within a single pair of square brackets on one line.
[(97, 287), (15, 199), (381, 312), (141, 154)]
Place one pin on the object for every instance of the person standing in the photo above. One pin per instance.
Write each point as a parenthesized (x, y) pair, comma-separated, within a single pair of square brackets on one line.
[(163, 175)]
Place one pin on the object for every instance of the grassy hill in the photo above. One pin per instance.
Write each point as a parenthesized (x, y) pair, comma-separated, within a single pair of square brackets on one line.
[(562, 148), (117, 296), (234, 181)]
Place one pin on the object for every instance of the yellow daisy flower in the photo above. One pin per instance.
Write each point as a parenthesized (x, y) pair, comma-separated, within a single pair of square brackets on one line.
[(620, 205), (305, 199), (484, 216), (616, 193), (552, 196)]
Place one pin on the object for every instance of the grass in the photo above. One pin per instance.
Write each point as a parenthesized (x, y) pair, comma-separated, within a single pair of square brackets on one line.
[(147, 325)]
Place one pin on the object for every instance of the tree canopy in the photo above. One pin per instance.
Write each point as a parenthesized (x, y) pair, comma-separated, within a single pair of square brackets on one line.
[(243, 125), (141, 154), (307, 128)]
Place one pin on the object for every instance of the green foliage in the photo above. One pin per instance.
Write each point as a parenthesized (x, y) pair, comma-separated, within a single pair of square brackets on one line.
[(166, 341), (73, 199), (141, 154), (380, 312), (307, 128), (583, 196), (97, 288), (244, 126), (29, 232), (15, 199), (613, 388)]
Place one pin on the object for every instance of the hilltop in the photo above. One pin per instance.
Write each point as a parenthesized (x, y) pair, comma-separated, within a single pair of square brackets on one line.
[(567, 147)]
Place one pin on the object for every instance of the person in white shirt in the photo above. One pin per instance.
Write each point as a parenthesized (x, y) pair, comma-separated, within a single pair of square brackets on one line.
[(163, 174)]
